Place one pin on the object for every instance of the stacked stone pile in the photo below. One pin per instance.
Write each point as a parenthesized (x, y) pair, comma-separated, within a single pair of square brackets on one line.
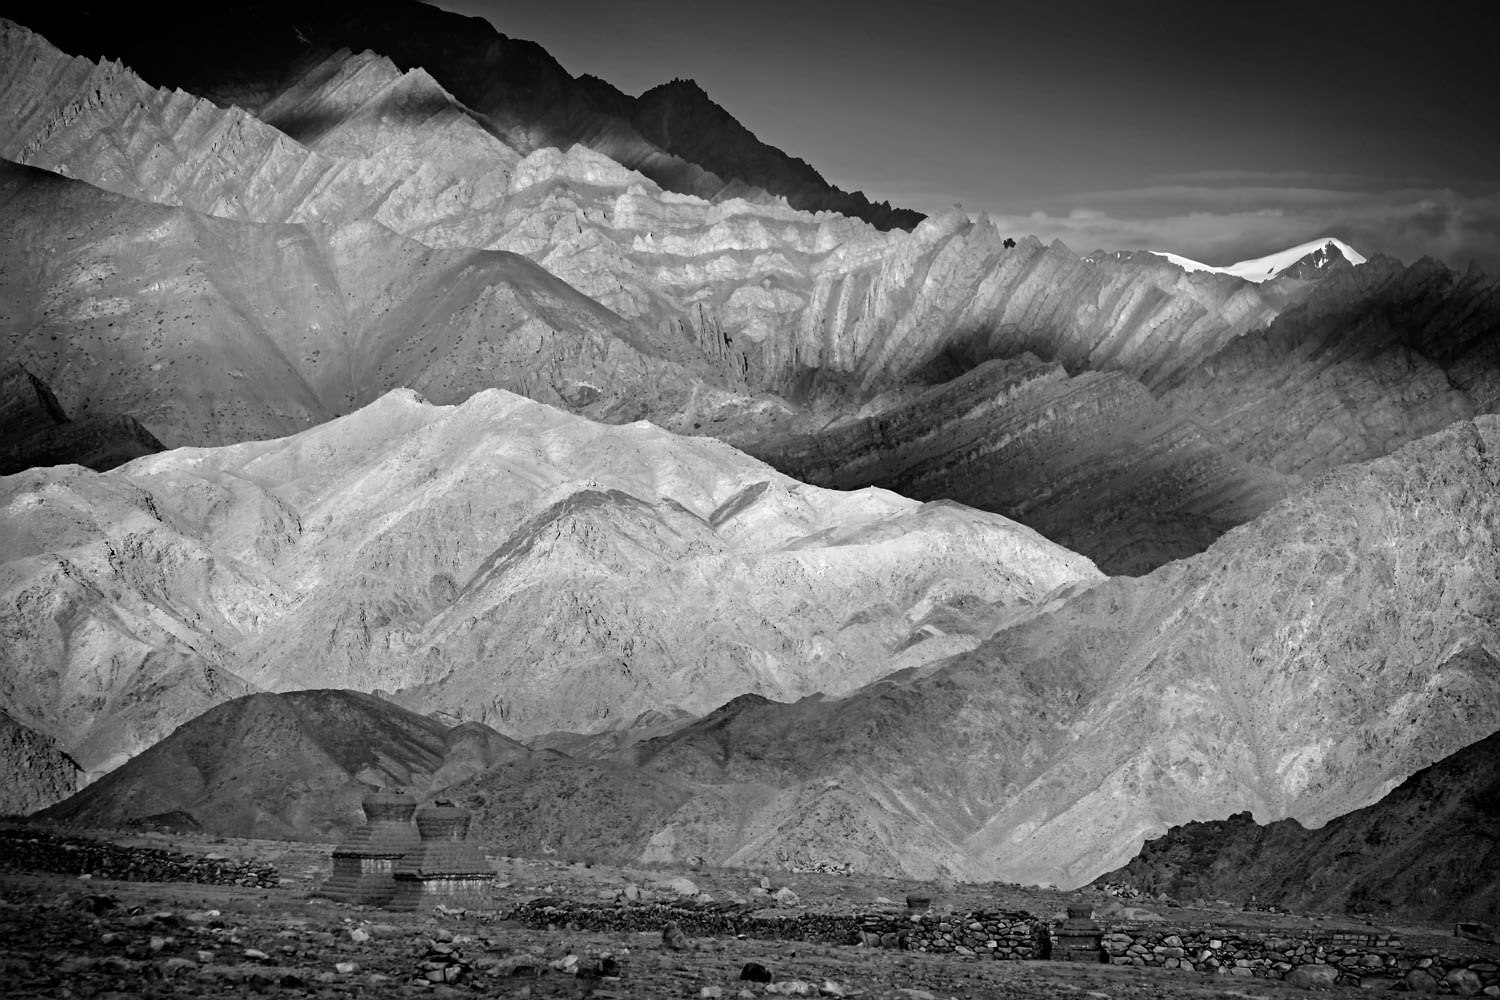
[(364, 866), (41, 851)]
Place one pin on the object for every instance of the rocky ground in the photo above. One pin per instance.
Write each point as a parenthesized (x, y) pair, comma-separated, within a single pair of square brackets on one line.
[(70, 936)]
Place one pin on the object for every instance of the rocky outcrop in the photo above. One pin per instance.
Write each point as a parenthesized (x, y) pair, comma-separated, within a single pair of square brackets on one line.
[(34, 430), (37, 772), (500, 561), (1427, 850)]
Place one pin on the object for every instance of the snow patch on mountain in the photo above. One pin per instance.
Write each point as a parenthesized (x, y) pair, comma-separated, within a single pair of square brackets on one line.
[(1264, 268)]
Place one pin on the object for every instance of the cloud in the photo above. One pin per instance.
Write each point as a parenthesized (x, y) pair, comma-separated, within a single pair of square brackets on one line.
[(1222, 223)]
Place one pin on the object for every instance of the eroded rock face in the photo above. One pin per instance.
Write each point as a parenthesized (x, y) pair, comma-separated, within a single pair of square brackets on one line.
[(499, 561)]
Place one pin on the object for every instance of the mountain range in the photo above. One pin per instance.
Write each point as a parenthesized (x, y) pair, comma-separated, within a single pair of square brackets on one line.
[(594, 422)]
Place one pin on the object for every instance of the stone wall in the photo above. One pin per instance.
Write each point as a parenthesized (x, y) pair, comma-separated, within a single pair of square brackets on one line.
[(1343, 957), (42, 851), (1000, 934), (1360, 959), (697, 919)]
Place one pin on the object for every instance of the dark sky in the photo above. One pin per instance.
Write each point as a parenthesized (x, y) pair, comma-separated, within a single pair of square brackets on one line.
[(1219, 130)]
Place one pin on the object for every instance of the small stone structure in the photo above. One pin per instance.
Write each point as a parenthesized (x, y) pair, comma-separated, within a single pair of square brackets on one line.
[(364, 866), (444, 867), (1078, 938)]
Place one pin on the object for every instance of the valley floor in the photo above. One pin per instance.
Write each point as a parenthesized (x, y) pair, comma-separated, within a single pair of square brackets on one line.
[(64, 936)]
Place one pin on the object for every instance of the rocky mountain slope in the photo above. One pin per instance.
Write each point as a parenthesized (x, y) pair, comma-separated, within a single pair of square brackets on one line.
[(1091, 461), (37, 772), (672, 134), (210, 331), (1428, 849), (717, 305), (499, 561), (793, 292), (294, 765), (34, 430), (1304, 665), (1374, 357)]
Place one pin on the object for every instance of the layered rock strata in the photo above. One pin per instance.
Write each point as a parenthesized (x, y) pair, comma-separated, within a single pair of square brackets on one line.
[(1092, 461), (792, 292), (1375, 357), (210, 331)]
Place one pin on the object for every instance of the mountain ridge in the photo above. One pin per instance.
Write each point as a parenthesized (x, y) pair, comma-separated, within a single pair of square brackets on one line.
[(524, 94), (479, 560), (1427, 849)]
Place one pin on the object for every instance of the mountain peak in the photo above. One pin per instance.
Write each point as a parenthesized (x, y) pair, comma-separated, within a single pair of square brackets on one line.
[(1305, 260), (679, 85), (1316, 255)]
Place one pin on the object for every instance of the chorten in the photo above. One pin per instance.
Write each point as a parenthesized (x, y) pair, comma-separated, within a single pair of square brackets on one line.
[(1078, 938), (445, 867), (364, 866)]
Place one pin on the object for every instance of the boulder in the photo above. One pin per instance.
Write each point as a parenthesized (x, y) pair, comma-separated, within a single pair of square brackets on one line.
[(1313, 977), (754, 972), (1464, 982), (682, 886), (1418, 981)]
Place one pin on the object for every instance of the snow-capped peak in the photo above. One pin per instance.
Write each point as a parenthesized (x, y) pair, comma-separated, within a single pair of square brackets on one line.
[(1264, 268)]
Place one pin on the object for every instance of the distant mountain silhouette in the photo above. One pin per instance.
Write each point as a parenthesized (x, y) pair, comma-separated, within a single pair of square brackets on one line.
[(515, 86)]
